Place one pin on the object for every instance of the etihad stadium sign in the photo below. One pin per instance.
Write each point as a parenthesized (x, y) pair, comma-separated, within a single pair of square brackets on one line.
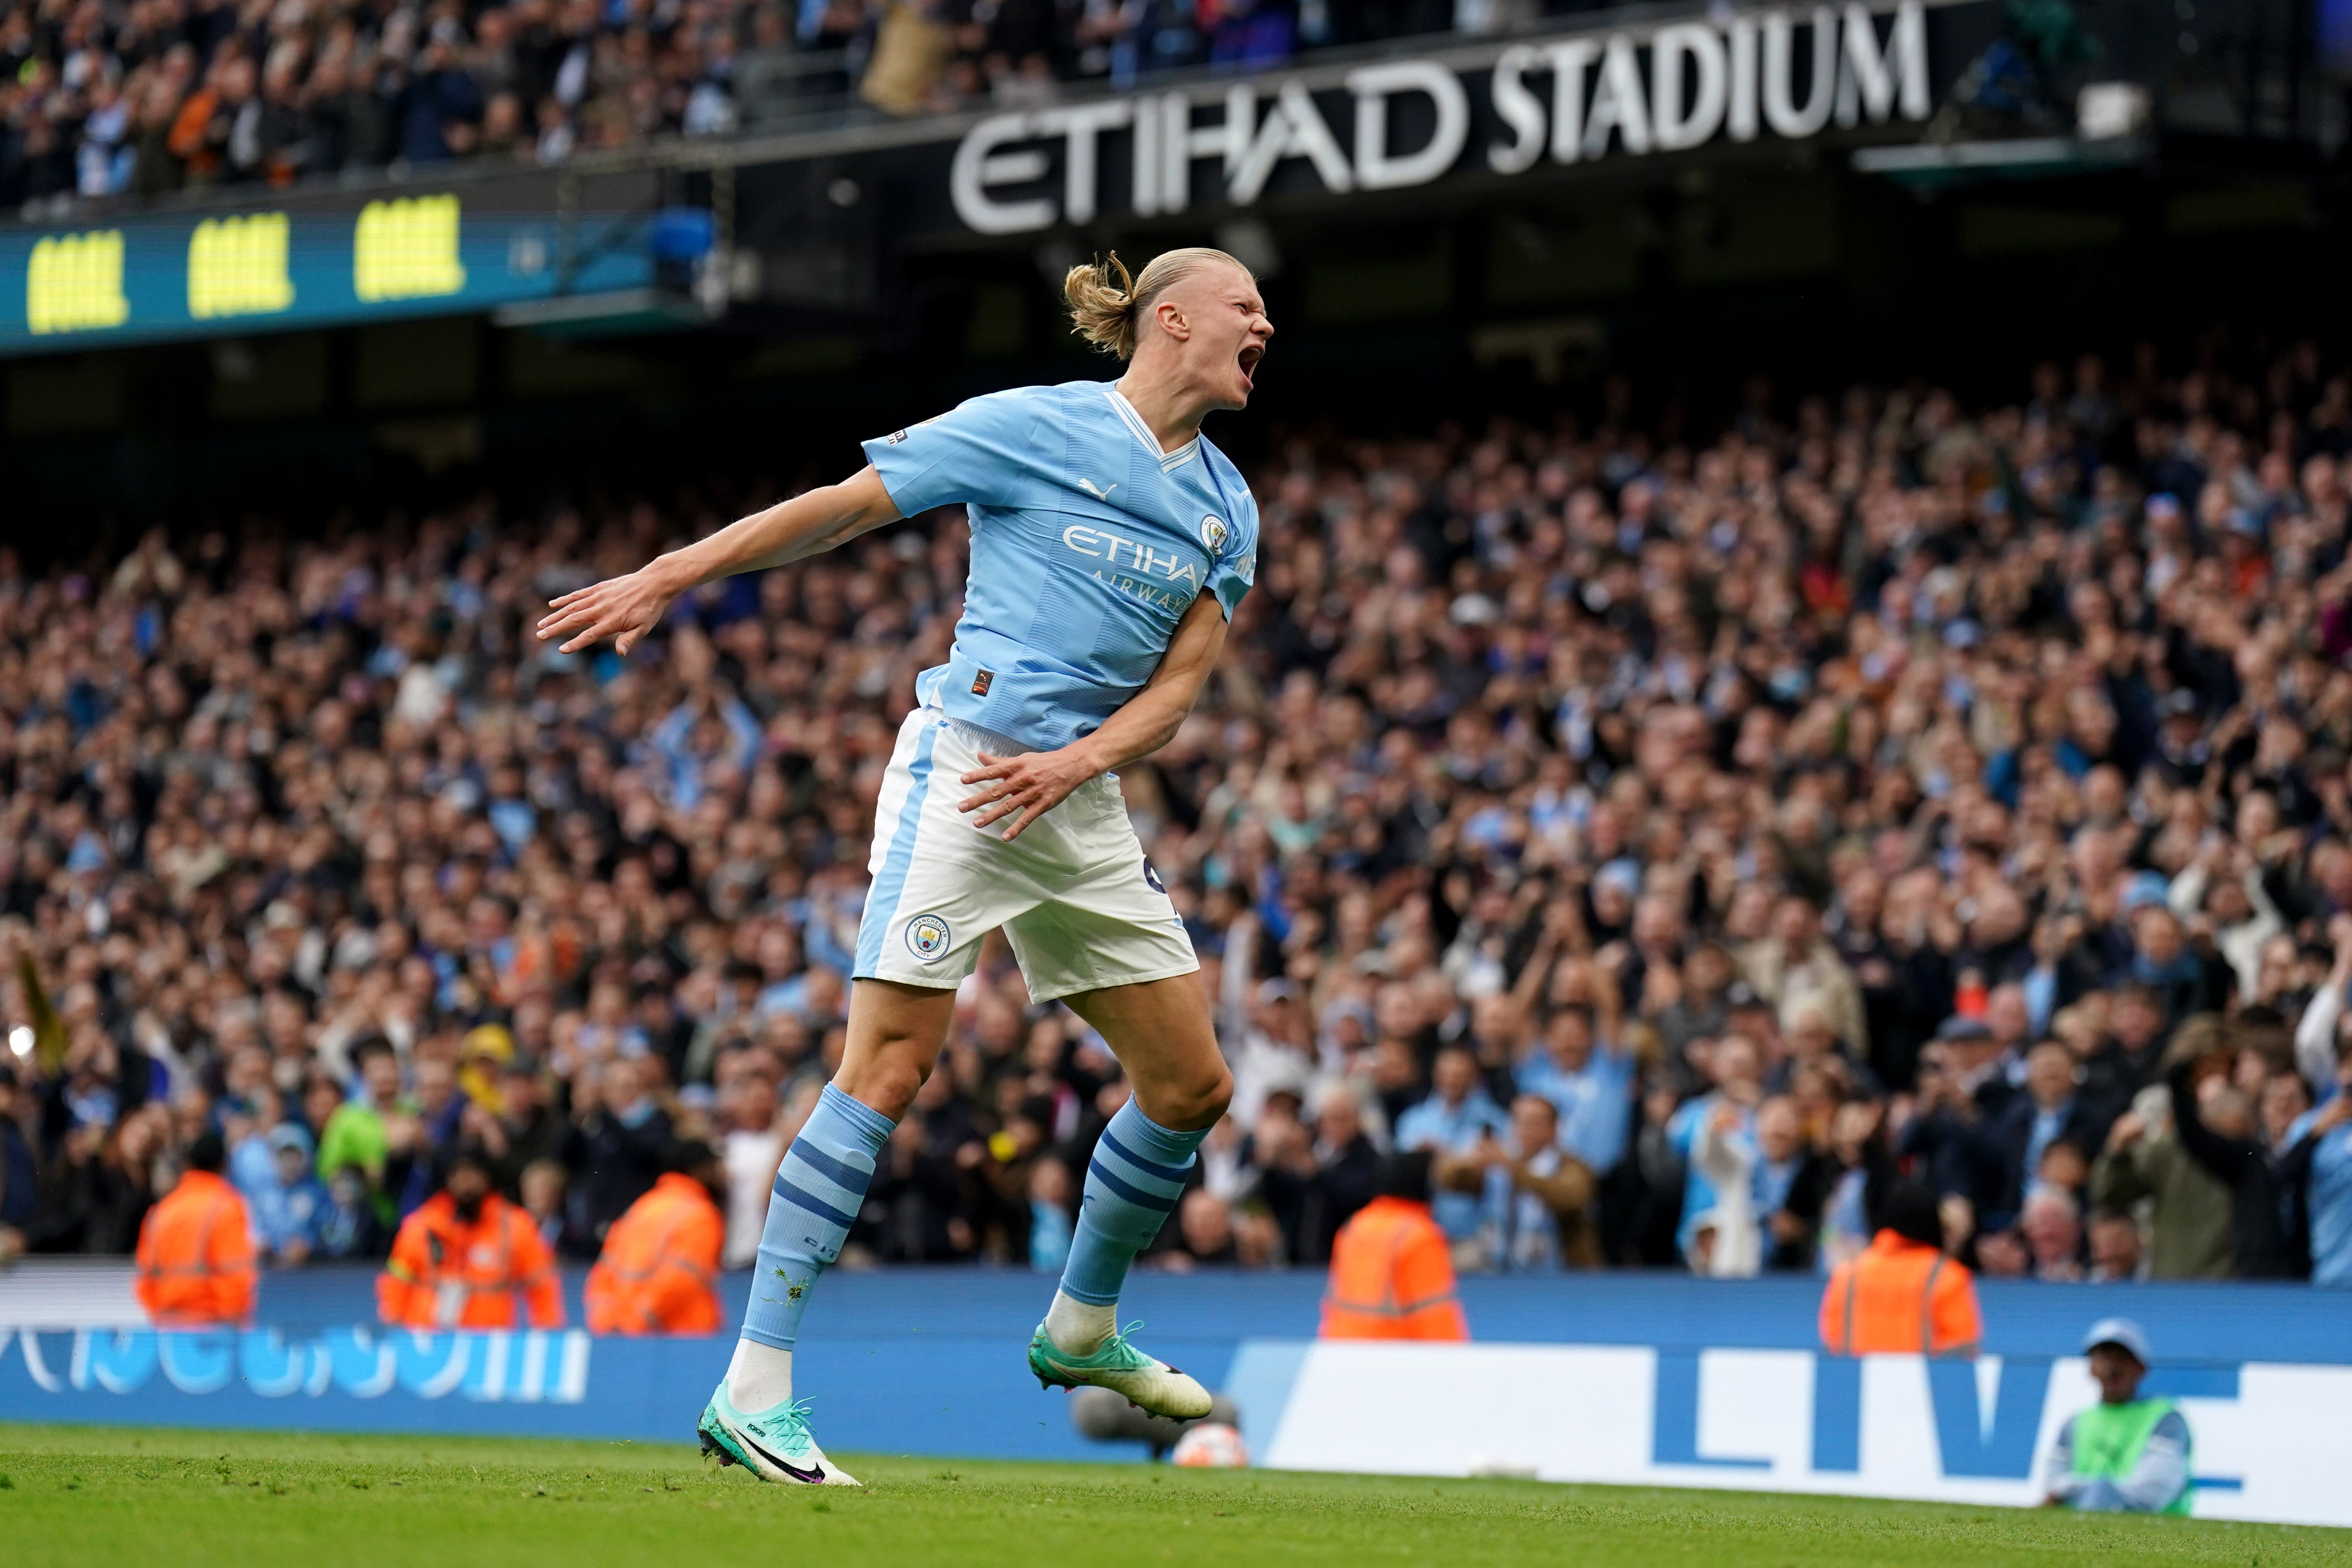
[(1740, 75)]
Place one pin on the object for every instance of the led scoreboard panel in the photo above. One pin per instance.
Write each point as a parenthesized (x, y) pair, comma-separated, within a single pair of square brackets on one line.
[(313, 263)]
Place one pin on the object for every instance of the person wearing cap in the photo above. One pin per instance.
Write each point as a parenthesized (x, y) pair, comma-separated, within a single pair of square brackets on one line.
[(2125, 1454), (467, 1258), (289, 1202), (196, 1248)]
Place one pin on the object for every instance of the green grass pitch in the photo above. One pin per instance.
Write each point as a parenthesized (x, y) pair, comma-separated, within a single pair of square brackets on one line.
[(82, 1496)]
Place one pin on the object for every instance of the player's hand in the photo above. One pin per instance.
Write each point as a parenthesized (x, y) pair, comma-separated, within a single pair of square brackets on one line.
[(622, 608), (1024, 788)]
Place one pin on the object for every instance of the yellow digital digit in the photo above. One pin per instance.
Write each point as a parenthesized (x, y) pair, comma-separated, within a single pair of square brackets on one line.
[(407, 249), (74, 282), (236, 267)]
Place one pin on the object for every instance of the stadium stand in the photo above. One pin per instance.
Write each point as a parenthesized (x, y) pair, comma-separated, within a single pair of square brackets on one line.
[(100, 100), (1879, 785)]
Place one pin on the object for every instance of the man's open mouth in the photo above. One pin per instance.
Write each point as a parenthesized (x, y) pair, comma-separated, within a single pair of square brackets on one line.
[(1250, 355)]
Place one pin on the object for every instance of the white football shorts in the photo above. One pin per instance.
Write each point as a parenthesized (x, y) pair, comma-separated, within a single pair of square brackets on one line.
[(1074, 894)]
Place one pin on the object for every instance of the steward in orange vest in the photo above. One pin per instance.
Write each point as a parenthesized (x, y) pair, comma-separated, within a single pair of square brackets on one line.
[(659, 1257), (468, 1260), (1901, 1295), (196, 1248), (1391, 1272)]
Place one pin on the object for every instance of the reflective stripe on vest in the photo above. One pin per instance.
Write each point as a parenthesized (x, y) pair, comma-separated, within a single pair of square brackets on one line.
[(1388, 1306), (1926, 1304), (452, 1296)]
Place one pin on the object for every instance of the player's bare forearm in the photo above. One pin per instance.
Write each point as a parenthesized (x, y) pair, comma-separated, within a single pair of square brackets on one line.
[(625, 608), (1026, 787)]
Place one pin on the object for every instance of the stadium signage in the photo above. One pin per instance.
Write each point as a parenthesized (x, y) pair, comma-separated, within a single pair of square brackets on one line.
[(2268, 1438), (320, 259), (1783, 73)]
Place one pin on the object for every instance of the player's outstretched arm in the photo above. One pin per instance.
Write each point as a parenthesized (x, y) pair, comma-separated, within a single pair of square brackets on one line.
[(1036, 781), (626, 608)]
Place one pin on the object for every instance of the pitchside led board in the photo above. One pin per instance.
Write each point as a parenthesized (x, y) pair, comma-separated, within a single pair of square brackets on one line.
[(307, 264)]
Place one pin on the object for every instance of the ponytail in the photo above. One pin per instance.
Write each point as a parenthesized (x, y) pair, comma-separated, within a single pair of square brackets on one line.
[(1109, 305), (1102, 304)]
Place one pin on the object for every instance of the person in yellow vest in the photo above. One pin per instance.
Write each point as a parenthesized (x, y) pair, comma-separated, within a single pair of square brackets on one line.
[(2125, 1454), (196, 1266), (1391, 1270), (660, 1256), (1901, 1295)]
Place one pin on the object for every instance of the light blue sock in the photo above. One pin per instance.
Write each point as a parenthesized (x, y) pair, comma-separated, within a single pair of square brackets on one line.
[(1133, 1181), (818, 1190)]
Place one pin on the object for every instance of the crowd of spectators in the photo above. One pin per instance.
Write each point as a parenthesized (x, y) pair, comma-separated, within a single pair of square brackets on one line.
[(103, 98), (1679, 838)]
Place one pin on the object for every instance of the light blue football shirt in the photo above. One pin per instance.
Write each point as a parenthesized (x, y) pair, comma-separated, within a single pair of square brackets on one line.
[(1089, 543)]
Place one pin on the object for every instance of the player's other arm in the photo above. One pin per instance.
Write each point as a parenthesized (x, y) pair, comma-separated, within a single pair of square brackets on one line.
[(626, 608), (1028, 787)]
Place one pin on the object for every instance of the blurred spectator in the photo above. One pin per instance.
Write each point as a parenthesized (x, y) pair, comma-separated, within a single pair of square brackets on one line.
[(2050, 1226), (1457, 1118), (2189, 1207), (1536, 1199), (543, 1183), (752, 1148), (290, 1203), (2116, 1256), (19, 1173), (615, 1147), (1053, 1215), (1902, 1295), (661, 1257), (1391, 1271), (1725, 1120), (2216, 1128), (2013, 1144), (469, 1258), (1793, 1181), (368, 1129), (196, 1248)]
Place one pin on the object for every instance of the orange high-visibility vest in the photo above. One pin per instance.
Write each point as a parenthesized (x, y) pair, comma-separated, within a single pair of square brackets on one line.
[(654, 1276), (195, 1255), (1899, 1297), (1391, 1278), (447, 1274)]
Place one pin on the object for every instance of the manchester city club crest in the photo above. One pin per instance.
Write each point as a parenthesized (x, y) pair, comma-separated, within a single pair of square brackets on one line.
[(927, 936), (1213, 534)]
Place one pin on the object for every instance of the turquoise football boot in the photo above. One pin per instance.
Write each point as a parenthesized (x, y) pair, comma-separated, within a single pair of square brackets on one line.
[(775, 1445), (1148, 1384)]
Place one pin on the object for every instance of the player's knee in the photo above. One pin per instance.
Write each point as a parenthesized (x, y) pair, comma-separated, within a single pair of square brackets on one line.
[(1202, 1101), (886, 1077)]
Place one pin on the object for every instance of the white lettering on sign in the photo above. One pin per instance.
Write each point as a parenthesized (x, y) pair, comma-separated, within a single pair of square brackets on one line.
[(1674, 88)]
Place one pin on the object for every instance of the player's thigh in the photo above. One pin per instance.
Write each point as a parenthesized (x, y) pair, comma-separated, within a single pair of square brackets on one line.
[(895, 1033), (1161, 1033), (940, 884)]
